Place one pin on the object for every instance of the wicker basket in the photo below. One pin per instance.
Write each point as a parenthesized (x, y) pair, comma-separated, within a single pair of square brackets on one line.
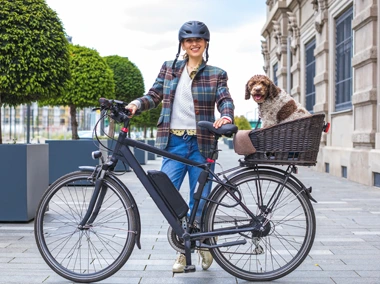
[(293, 142)]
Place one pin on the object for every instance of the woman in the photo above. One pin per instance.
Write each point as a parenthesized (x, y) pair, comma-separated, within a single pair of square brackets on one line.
[(189, 89)]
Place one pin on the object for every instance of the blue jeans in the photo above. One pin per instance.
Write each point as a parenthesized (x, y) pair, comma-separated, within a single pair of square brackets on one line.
[(187, 147)]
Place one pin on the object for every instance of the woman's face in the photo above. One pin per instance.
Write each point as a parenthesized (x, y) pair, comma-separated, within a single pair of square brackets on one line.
[(194, 46)]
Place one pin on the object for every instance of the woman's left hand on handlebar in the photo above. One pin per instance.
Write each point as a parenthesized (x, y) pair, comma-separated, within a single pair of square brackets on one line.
[(221, 121), (132, 108)]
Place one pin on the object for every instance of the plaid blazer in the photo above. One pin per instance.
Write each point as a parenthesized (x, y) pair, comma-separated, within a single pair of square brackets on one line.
[(209, 87)]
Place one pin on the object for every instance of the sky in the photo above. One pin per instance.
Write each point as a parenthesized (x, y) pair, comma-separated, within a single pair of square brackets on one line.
[(146, 31)]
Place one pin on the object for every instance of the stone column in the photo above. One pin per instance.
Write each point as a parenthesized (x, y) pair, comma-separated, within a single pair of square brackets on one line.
[(321, 53), (280, 31), (266, 56), (364, 63), (294, 35)]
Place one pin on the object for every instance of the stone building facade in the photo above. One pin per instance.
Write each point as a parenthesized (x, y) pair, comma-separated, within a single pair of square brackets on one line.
[(325, 54)]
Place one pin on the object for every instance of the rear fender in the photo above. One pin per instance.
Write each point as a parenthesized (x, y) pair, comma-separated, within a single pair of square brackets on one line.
[(241, 170)]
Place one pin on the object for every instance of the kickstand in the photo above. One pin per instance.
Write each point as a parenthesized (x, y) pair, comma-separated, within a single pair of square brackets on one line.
[(189, 267)]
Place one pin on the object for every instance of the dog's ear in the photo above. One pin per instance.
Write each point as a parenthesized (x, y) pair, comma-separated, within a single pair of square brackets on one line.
[(247, 92), (273, 90)]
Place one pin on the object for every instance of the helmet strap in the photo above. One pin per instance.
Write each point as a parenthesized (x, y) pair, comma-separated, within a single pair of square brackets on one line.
[(207, 52), (176, 58)]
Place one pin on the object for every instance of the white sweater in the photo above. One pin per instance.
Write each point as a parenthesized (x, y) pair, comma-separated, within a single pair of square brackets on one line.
[(183, 114)]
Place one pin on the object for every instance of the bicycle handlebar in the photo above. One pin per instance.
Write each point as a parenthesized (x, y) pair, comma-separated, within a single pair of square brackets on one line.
[(122, 115), (117, 108)]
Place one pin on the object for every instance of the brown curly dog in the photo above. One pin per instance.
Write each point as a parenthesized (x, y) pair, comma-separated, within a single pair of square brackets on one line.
[(275, 105)]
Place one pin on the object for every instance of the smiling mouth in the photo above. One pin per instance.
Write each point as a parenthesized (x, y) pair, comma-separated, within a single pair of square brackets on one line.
[(257, 97)]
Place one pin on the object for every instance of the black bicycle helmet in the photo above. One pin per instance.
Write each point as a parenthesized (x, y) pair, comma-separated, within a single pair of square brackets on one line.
[(192, 29)]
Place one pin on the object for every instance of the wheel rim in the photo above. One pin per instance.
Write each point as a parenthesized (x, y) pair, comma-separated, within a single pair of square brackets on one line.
[(90, 253), (289, 230)]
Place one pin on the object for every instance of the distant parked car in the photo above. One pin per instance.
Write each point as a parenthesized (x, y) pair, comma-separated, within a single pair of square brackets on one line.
[(85, 134)]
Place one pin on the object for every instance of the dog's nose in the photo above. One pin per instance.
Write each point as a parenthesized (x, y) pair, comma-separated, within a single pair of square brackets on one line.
[(257, 88)]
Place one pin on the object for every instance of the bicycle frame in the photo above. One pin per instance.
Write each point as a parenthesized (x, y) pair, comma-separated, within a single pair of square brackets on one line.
[(123, 153)]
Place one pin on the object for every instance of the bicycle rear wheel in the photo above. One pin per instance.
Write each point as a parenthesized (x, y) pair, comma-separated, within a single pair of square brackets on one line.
[(289, 228), (90, 254)]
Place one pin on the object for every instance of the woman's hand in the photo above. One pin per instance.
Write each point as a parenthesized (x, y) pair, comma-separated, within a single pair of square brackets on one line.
[(220, 121), (132, 108)]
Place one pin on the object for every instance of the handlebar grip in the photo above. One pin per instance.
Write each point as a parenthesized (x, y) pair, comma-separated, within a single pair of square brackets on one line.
[(104, 102)]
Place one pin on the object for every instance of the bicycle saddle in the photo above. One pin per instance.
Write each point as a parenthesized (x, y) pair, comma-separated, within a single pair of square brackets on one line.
[(226, 129)]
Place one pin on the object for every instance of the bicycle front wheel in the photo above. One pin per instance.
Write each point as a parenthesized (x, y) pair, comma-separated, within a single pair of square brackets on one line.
[(287, 219), (84, 254)]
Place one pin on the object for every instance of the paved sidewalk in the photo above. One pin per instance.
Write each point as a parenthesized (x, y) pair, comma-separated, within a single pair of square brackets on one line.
[(346, 249)]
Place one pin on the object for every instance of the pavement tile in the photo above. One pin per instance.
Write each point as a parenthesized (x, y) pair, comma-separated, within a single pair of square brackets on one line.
[(357, 281)]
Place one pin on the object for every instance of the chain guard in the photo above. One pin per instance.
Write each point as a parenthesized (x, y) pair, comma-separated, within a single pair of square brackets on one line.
[(175, 241)]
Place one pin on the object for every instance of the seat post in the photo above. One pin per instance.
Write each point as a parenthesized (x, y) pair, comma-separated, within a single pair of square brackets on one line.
[(214, 148)]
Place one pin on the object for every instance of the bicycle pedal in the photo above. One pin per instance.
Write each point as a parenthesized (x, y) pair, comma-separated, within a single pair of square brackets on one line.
[(189, 268)]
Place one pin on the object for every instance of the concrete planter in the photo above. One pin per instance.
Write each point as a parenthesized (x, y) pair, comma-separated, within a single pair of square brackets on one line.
[(24, 178), (141, 155), (230, 143), (151, 142), (66, 156)]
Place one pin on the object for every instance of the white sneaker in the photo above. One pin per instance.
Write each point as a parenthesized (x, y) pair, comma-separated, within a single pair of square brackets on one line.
[(258, 248), (179, 264), (206, 258)]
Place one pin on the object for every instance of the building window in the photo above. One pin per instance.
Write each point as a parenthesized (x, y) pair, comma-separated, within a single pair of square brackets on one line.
[(343, 66), (275, 68), (327, 167), (310, 74), (376, 179), (344, 171)]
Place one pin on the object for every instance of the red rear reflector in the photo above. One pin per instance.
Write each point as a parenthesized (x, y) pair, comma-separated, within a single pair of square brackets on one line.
[(326, 128), (125, 130)]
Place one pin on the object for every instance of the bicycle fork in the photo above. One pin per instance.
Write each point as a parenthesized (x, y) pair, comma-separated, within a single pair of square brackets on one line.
[(95, 203)]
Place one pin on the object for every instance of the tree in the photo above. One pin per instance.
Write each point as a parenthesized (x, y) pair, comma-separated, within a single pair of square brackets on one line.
[(147, 119), (242, 123), (129, 83), (153, 118), (34, 57), (91, 79)]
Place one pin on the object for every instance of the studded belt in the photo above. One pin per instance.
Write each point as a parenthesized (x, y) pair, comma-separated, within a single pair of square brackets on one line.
[(181, 132)]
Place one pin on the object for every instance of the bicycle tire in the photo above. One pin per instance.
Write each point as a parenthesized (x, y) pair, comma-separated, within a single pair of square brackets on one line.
[(289, 235), (87, 255)]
